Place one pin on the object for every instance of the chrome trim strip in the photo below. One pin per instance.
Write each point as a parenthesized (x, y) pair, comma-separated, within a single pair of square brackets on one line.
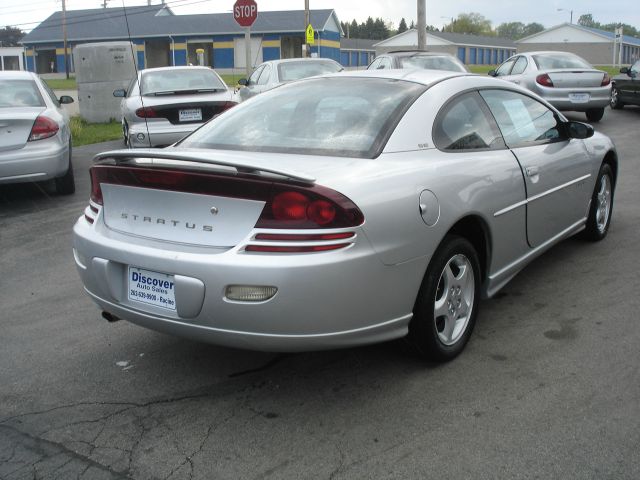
[(540, 195)]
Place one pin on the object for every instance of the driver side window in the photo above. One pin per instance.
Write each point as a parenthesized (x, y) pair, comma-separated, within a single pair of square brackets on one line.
[(253, 79), (521, 119), (505, 68)]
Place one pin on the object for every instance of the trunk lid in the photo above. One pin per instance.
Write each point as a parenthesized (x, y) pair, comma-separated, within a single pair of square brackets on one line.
[(15, 126), (188, 108), (576, 78)]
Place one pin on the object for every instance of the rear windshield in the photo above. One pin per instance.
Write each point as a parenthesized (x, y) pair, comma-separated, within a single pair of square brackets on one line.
[(337, 116), (171, 81), (431, 63), (289, 71), (20, 93), (548, 61)]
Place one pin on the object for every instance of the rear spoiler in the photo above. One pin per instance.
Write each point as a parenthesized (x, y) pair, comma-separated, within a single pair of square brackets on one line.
[(241, 167)]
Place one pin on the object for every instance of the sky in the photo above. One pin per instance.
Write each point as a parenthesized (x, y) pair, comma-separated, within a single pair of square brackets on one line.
[(26, 14)]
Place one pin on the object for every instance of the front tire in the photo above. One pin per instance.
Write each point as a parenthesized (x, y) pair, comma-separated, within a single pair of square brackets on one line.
[(615, 102), (595, 114), (601, 208), (446, 308), (66, 185), (125, 133)]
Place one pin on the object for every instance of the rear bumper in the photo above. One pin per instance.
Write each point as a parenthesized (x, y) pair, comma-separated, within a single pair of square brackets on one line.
[(36, 161), (158, 135), (559, 97), (325, 300)]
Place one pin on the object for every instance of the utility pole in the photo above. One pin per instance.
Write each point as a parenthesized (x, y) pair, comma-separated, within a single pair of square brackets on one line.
[(307, 20), (64, 37), (422, 24)]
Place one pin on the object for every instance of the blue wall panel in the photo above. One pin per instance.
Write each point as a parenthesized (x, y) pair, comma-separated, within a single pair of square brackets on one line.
[(223, 57), (461, 56), (472, 56), (344, 59), (270, 53)]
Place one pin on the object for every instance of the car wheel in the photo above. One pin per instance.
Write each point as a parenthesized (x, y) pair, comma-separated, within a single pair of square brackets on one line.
[(446, 308), (595, 114), (615, 99), (65, 185), (600, 211)]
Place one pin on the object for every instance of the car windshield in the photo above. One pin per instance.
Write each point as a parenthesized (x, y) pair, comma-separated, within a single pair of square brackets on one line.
[(636, 67), (20, 93), (289, 71), (431, 62), (548, 61), (337, 116), (179, 80)]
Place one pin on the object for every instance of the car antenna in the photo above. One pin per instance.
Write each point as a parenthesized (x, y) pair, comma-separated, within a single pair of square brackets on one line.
[(135, 67)]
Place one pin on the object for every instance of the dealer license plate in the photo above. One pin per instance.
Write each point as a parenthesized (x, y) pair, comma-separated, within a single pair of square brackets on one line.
[(190, 115), (579, 97), (153, 288)]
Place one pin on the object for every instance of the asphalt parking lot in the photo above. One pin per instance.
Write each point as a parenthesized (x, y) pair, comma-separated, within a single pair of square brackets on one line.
[(548, 387)]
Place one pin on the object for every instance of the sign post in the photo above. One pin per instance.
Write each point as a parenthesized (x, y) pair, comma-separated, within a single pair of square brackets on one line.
[(245, 13)]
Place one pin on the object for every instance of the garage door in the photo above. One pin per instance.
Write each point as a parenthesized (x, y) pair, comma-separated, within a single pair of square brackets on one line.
[(239, 52)]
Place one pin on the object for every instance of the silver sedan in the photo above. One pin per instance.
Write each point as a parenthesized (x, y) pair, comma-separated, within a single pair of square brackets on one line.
[(35, 138), (342, 210), (277, 72), (565, 80), (162, 105)]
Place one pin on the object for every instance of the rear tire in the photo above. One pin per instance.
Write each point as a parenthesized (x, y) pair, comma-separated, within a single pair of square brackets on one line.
[(615, 102), (65, 185), (601, 208), (447, 305), (595, 114)]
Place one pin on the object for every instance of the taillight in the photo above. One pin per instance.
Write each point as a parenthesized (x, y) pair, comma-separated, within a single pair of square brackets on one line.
[(544, 80), (146, 112), (287, 206), (42, 128), (606, 80)]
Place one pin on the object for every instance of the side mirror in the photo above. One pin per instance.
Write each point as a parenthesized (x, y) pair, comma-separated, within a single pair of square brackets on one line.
[(243, 81), (65, 99), (624, 70), (580, 130), (121, 92), (492, 73)]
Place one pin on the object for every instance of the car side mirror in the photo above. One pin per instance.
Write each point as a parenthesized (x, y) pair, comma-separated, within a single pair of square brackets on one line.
[(243, 81), (492, 73), (580, 130), (624, 70), (65, 99), (121, 92)]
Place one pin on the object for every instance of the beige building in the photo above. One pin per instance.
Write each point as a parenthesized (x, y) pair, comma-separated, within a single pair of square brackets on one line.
[(470, 49), (592, 44)]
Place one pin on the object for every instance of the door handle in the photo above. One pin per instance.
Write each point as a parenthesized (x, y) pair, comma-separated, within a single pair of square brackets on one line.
[(532, 171)]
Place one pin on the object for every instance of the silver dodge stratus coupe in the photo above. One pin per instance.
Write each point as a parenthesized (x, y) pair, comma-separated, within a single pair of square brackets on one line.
[(342, 210)]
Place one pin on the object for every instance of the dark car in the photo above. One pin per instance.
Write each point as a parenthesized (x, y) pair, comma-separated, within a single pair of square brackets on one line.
[(417, 59), (626, 87)]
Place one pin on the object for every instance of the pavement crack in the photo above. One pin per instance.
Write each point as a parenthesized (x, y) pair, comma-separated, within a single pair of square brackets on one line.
[(271, 363)]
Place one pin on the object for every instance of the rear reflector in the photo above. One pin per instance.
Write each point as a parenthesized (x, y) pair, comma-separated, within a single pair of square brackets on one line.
[(42, 128), (544, 80), (296, 249), (287, 205), (249, 293)]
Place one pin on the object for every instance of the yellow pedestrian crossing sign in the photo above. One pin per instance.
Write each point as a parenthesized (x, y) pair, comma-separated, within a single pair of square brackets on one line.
[(310, 35)]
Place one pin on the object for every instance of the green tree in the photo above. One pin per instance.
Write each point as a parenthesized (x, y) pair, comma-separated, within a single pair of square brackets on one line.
[(10, 36), (512, 30), (403, 26), (472, 23), (531, 29), (586, 20)]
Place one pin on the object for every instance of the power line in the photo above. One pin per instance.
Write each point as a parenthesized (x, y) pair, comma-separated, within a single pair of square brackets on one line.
[(99, 13)]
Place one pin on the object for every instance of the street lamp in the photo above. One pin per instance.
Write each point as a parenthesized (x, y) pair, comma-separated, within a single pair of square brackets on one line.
[(565, 10)]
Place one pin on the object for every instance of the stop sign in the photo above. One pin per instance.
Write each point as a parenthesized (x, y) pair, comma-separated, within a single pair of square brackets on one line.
[(245, 12)]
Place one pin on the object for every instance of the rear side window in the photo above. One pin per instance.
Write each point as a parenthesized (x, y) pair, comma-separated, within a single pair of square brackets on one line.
[(337, 116), (522, 119), (20, 93), (465, 124)]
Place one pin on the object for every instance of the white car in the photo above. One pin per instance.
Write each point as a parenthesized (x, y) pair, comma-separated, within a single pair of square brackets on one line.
[(162, 105), (35, 138)]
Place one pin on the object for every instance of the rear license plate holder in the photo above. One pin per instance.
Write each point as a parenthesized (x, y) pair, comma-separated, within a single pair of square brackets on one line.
[(579, 97), (190, 115), (151, 288)]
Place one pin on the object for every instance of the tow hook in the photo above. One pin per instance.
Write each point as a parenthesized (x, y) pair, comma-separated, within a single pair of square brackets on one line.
[(109, 317)]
